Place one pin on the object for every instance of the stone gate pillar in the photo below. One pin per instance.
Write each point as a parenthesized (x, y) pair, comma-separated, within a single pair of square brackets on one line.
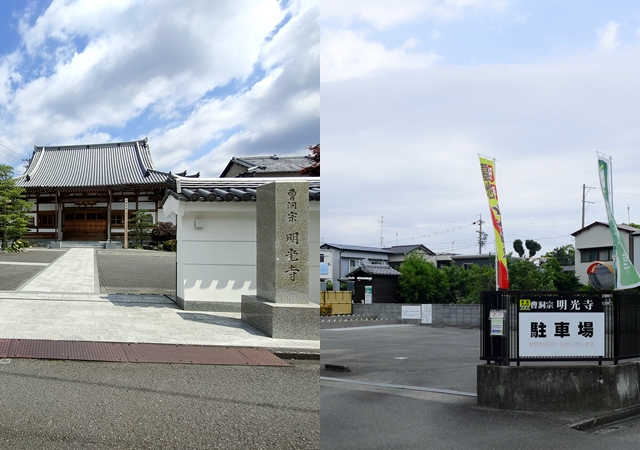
[(281, 306)]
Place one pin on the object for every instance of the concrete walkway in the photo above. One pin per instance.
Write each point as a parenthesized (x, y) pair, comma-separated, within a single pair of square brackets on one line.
[(63, 303)]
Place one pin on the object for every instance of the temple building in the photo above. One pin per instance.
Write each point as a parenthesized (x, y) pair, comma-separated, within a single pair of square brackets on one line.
[(78, 192)]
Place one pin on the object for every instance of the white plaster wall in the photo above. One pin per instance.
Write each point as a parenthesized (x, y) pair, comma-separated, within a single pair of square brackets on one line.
[(218, 262), (45, 207)]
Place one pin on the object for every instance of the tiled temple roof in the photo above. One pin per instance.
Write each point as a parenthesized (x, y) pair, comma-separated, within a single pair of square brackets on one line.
[(98, 165)]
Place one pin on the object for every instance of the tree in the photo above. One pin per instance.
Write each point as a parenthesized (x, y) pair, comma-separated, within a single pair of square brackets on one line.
[(421, 281), (466, 284), (13, 208), (565, 255), (563, 281), (532, 246), (164, 231), (517, 246), (524, 275), (140, 226), (314, 169)]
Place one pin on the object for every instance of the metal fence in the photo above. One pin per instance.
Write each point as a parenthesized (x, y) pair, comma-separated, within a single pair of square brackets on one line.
[(502, 341)]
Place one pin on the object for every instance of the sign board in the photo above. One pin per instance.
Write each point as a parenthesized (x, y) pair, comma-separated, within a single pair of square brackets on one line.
[(368, 294), (427, 314), (411, 311), (496, 316), (561, 327)]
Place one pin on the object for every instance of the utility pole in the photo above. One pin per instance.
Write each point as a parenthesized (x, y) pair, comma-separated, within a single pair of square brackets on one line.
[(382, 232), (584, 202), (481, 236)]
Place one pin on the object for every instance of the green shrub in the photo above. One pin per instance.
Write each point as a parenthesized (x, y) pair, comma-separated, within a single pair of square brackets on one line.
[(326, 309), (171, 245)]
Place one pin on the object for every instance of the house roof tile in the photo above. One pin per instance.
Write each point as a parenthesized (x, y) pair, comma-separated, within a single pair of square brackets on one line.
[(375, 269), (356, 248), (621, 227), (257, 165)]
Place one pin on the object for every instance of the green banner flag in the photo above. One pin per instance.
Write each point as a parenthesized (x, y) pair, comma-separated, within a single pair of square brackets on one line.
[(625, 274)]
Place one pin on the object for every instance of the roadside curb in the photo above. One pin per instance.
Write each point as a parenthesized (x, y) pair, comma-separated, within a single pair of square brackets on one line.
[(614, 416)]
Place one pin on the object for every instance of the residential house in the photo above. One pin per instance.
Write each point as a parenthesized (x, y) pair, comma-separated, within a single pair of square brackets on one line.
[(399, 254), (326, 264), (446, 259), (265, 166), (594, 243), (347, 258)]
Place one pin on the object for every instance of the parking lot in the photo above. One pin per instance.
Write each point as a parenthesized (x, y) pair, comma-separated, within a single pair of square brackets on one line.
[(413, 386)]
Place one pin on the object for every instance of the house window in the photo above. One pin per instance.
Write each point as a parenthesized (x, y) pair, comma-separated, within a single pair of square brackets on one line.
[(354, 264), (321, 257), (596, 254), (467, 266)]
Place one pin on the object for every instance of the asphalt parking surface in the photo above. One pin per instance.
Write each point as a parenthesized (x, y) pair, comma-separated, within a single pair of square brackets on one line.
[(392, 397)]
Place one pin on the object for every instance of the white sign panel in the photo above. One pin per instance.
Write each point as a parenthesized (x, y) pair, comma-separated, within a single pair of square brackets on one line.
[(561, 327), (427, 316), (368, 294), (411, 311), (561, 334)]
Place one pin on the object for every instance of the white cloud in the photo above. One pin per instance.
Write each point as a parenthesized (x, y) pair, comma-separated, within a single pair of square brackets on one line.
[(608, 36), (384, 14), (347, 54), (89, 69), (423, 129)]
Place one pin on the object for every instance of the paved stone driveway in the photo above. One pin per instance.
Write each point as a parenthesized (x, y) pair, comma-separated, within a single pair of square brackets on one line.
[(29, 264), (136, 272)]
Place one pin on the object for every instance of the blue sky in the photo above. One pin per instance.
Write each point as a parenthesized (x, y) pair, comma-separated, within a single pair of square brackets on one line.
[(204, 81), (412, 91)]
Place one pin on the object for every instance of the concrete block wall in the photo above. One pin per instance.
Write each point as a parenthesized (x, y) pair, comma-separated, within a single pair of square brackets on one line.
[(380, 310), (442, 314), (456, 315)]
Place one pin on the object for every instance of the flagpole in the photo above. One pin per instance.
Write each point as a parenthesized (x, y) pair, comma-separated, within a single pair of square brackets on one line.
[(495, 241)]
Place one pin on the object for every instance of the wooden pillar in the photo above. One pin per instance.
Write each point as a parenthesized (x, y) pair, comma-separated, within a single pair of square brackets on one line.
[(59, 208), (109, 200)]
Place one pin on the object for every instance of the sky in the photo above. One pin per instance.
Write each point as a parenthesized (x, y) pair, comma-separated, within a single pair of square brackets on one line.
[(413, 90), (204, 81)]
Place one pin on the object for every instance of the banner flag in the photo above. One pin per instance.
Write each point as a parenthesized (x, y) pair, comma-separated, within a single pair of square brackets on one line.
[(625, 274), (488, 167)]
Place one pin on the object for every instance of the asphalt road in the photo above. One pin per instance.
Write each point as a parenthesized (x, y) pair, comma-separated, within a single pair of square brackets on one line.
[(423, 360), (84, 405)]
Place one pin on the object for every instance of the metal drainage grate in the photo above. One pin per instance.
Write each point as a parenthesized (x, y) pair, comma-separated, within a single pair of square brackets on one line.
[(143, 353)]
